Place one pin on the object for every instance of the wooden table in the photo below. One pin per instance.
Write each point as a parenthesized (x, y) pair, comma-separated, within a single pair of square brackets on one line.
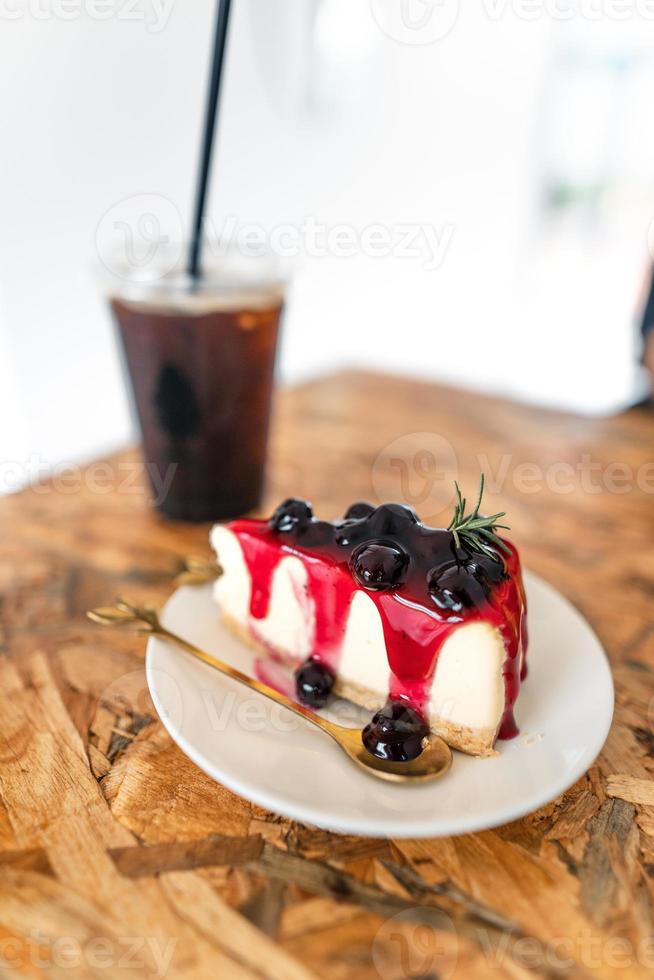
[(119, 857)]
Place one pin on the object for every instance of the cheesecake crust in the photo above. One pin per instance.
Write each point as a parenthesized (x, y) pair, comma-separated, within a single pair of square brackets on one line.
[(472, 741)]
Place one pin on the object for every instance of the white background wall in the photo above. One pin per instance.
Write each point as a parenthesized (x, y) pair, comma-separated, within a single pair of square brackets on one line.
[(333, 119)]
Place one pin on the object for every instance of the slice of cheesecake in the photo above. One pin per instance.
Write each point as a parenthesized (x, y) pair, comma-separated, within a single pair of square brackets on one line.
[(384, 609)]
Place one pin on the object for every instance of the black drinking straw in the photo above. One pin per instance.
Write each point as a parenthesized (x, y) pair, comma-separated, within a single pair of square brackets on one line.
[(213, 98)]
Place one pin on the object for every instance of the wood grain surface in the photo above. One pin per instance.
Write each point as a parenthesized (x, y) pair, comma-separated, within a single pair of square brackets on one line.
[(119, 858)]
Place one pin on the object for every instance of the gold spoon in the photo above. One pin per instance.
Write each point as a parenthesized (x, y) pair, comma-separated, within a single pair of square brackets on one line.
[(434, 760)]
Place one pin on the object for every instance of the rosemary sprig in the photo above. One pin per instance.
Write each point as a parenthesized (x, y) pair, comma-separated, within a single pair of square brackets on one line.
[(474, 530)]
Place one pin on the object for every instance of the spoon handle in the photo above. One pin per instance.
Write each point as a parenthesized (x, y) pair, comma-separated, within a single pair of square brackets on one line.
[(125, 612), (245, 679)]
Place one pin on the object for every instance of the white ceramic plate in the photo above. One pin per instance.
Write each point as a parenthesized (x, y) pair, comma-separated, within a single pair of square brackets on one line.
[(275, 759)]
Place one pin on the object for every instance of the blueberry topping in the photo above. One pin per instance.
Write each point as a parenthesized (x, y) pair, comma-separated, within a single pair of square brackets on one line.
[(359, 511), (313, 683), (395, 733), (377, 565), (291, 515), (387, 547), (392, 518), (456, 586), (315, 534)]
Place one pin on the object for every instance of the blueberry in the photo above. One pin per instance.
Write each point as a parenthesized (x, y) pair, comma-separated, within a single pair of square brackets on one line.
[(492, 569), (395, 733), (290, 515), (376, 565), (359, 511), (347, 532), (449, 600), (454, 587), (392, 518), (313, 683)]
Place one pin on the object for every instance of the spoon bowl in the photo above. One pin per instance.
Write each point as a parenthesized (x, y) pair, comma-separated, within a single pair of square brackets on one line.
[(434, 760)]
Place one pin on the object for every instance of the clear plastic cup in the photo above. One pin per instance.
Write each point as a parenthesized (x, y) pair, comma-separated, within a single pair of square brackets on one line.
[(201, 359)]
